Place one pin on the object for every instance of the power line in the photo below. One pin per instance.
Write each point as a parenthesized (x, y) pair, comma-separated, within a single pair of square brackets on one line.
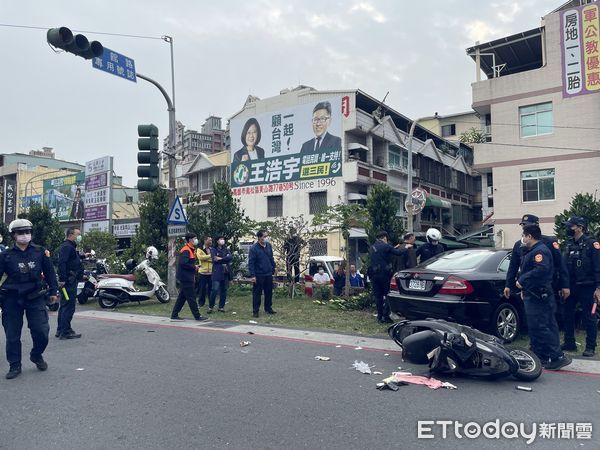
[(9, 25), (518, 125), (540, 146)]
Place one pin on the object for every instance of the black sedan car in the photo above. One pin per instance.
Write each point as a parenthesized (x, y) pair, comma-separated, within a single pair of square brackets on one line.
[(465, 286)]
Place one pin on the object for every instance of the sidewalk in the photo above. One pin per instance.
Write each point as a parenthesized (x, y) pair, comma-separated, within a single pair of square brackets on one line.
[(269, 331)]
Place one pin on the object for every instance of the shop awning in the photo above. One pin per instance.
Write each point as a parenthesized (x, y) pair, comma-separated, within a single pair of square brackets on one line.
[(437, 202)]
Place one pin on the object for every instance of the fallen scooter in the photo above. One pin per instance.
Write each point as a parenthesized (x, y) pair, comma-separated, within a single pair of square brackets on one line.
[(450, 348), (113, 289)]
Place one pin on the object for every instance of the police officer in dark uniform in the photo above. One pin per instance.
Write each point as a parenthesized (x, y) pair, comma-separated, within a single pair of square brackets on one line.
[(583, 262), (560, 279), (432, 247), (535, 282), (25, 266), (380, 272), (70, 271)]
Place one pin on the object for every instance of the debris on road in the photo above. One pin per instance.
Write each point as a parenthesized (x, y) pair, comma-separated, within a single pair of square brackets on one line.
[(225, 349), (389, 386), (338, 346), (250, 332), (377, 373), (245, 343), (151, 331), (362, 367), (358, 348), (80, 368), (431, 383), (252, 321), (386, 355), (524, 388), (322, 358)]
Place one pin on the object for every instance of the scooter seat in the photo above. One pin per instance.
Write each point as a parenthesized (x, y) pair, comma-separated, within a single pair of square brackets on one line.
[(128, 277)]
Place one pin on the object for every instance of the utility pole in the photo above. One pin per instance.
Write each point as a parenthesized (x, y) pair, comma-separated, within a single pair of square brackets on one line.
[(409, 182), (171, 155)]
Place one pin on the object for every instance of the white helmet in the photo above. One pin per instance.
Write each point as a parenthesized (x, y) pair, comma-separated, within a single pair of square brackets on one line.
[(433, 235), (20, 224), (92, 253), (151, 253)]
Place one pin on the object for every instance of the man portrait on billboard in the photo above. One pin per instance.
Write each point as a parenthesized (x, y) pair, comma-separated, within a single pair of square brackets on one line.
[(77, 210), (323, 140)]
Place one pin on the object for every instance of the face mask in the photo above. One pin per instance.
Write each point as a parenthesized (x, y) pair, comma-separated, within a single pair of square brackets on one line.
[(78, 239), (221, 241), (523, 241), (570, 232), (195, 242), (321, 271), (23, 238), (267, 239)]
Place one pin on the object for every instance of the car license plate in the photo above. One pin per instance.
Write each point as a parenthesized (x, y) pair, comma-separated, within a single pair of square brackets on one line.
[(418, 285)]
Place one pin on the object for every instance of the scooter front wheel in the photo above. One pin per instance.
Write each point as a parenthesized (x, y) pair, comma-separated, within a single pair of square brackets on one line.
[(162, 295), (530, 366)]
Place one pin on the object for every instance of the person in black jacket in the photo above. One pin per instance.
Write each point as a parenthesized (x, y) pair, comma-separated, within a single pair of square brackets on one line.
[(380, 272), (432, 247), (560, 281), (261, 266), (535, 282), (186, 275), (583, 261), (70, 271), (25, 266)]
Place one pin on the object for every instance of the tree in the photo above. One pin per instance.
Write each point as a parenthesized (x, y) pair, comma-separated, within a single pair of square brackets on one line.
[(224, 217), (285, 247), (47, 231), (102, 242), (342, 217), (154, 210), (472, 136), (382, 207), (583, 205)]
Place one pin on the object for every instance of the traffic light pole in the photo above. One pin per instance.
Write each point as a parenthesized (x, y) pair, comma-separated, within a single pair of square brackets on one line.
[(172, 137)]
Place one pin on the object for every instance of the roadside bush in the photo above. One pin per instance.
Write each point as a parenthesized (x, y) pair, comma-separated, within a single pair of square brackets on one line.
[(354, 303)]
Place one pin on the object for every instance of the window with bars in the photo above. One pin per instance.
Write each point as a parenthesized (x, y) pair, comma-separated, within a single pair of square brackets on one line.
[(538, 185), (449, 130), (317, 247), (275, 206), (317, 202)]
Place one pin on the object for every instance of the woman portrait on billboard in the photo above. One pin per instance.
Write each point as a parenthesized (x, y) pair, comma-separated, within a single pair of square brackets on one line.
[(250, 140)]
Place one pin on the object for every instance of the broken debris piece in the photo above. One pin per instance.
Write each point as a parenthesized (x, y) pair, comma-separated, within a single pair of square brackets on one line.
[(245, 343), (322, 358), (362, 367)]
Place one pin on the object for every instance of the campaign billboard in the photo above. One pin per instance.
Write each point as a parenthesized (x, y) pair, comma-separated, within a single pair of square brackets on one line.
[(296, 144), (65, 196), (580, 49)]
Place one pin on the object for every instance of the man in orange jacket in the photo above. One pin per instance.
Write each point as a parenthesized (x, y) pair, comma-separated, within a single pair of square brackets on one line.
[(186, 275)]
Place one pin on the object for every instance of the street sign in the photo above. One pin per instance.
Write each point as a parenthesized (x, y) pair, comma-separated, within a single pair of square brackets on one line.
[(177, 214), (176, 230), (115, 63), (416, 202)]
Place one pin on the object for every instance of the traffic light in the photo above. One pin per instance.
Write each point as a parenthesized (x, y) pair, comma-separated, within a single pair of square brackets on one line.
[(78, 45), (148, 156)]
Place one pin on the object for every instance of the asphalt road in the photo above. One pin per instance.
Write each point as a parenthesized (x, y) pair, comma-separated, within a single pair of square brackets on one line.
[(127, 385)]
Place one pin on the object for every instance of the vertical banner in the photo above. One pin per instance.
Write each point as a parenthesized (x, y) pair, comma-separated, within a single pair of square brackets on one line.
[(10, 207), (276, 150), (580, 50), (98, 199)]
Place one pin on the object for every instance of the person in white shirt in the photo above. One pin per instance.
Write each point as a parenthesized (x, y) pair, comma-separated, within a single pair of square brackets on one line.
[(321, 278)]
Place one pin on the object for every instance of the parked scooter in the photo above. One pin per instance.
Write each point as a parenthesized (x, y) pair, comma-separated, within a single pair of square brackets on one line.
[(113, 289), (87, 286), (450, 348)]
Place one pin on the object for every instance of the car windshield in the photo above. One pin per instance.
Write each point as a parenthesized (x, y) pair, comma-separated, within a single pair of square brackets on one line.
[(458, 260)]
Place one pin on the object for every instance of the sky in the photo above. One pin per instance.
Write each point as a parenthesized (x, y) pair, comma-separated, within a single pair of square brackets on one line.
[(225, 50)]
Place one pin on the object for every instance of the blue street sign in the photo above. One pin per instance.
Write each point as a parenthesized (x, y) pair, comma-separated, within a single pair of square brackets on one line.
[(177, 214), (115, 63)]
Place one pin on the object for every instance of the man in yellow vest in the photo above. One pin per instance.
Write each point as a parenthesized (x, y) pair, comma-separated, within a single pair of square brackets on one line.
[(204, 257)]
